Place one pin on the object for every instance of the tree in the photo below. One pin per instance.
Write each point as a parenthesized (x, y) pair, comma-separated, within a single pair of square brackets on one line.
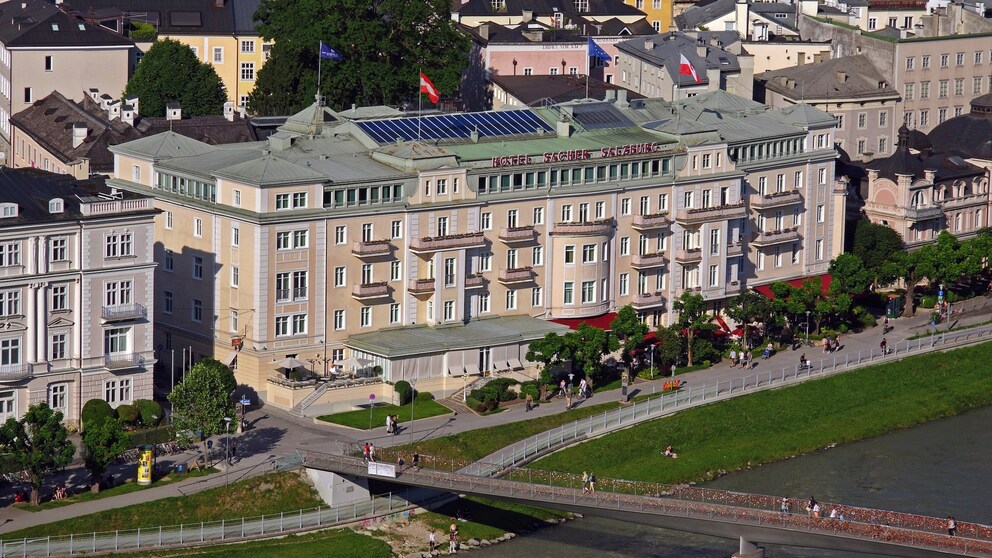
[(849, 275), (549, 350), (669, 347), (588, 345), (943, 261), (874, 244), (628, 328), (39, 444), (749, 307), (692, 316), (101, 443), (170, 73), (384, 46), (202, 401)]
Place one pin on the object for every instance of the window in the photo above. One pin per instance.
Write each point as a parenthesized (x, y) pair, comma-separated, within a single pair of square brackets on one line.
[(450, 268), (566, 213), (944, 58), (780, 183), (198, 227), (300, 324), (485, 303), (441, 187), (662, 202), (624, 284), (235, 236), (340, 234), (714, 275), (976, 85), (283, 240), (442, 226), (235, 276), (978, 57), (117, 391), (537, 258), (706, 160), (872, 23), (588, 292), (282, 326), (247, 71), (959, 59), (28, 97), (924, 117), (197, 267), (958, 87), (487, 221), (840, 121), (943, 88), (625, 206), (60, 297), (58, 346), (338, 320), (117, 292), (300, 239), (821, 176), (10, 303), (797, 217), (167, 302), (862, 146), (282, 201), (589, 253), (59, 250), (367, 273), (218, 57), (237, 198), (538, 215), (924, 94), (119, 245), (248, 47), (170, 262), (941, 115), (925, 62), (396, 229), (448, 310), (882, 146), (687, 200), (625, 246), (511, 299), (299, 200), (394, 313), (339, 276), (115, 341), (568, 295), (395, 269), (600, 210), (570, 254), (486, 261), (819, 249), (820, 215), (907, 96)]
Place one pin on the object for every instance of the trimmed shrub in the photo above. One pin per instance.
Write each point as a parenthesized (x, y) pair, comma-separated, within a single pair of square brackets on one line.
[(928, 301), (492, 404), (404, 390), (424, 396), (128, 414), (496, 390), (151, 412), (95, 411), (480, 408), (530, 389)]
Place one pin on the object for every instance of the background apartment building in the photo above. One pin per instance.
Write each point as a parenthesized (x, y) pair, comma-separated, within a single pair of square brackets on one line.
[(350, 238), (76, 290), (43, 49)]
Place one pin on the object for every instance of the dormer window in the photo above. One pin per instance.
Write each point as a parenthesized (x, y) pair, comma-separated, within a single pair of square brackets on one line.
[(8, 210), (55, 27), (56, 205)]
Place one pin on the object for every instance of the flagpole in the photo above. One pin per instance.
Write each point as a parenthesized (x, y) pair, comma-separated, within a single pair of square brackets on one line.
[(319, 57), (420, 104), (587, 71)]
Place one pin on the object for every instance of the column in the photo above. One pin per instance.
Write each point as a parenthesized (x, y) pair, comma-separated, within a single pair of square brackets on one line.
[(41, 324), (76, 340), (30, 301)]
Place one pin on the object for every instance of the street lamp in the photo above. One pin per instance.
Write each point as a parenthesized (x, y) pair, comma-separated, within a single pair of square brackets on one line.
[(413, 385), (227, 449), (570, 376), (807, 327), (653, 345)]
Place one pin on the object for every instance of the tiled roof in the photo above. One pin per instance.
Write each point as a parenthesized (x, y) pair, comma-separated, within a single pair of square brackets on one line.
[(821, 81), (667, 48), (477, 8), (177, 17), (559, 89), (32, 189), (35, 23)]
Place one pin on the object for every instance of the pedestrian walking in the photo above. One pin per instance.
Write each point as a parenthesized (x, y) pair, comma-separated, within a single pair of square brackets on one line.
[(582, 388), (568, 401), (431, 541), (785, 506), (416, 461), (733, 357), (592, 483), (952, 526), (585, 482), (748, 361), (234, 452), (453, 537), (366, 451), (389, 424), (883, 345), (528, 403), (372, 452), (561, 388)]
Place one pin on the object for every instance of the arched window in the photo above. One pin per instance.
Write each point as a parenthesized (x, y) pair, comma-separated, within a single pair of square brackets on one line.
[(917, 201), (55, 205)]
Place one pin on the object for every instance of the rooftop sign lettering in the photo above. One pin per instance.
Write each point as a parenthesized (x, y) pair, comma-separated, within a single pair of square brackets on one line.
[(576, 155)]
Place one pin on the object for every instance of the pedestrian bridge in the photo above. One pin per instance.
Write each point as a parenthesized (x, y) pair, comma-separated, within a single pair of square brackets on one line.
[(751, 518)]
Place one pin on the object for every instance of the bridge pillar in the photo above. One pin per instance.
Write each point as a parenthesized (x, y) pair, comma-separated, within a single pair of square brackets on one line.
[(749, 550), (337, 490)]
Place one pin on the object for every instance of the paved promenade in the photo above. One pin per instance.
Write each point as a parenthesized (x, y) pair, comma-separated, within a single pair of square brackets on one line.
[(275, 436)]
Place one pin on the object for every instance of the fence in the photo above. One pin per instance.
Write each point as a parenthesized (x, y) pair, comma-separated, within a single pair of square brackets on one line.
[(207, 532)]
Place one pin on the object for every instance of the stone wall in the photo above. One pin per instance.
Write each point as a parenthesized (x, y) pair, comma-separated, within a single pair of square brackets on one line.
[(851, 42)]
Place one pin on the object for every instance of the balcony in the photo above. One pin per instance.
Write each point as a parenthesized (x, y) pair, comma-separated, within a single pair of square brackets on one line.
[(15, 372), (448, 242), (371, 248), (733, 287), (512, 235), (647, 300), (735, 249), (652, 222), (516, 275), (421, 286), (776, 199), (770, 238), (973, 200), (474, 281), (370, 291), (924, 213), (709, 214), (647, 261), (603, 227), (123, 312), (120, 361), (692, 255)]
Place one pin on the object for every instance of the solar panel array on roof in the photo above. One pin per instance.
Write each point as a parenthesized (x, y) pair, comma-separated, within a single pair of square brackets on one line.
[(599, 117), (451, 126)]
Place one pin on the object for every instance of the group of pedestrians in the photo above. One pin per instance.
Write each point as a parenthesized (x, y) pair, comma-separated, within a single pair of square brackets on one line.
[(368, 452), (391, 424), (741, 358), (588, 483)]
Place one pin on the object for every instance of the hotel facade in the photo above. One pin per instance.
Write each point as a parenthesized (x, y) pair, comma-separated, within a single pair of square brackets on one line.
[(444, 256)]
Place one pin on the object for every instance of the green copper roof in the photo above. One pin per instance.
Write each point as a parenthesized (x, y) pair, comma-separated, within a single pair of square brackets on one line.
[(593, 141)]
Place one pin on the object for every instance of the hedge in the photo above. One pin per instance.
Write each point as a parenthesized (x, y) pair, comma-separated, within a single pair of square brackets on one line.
[(151, 412), (128, 414), (95, 411), (404, 390)]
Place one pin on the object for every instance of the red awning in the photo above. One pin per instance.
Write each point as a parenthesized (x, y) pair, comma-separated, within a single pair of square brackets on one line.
[(738, 332), (723, 324), (602, 322), (824, 285), (650, 337)]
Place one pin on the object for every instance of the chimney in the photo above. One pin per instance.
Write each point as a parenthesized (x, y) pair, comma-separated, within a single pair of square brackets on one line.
[(611, 95), (800, 58), (701, 50), (105, 101), (133, 101), (114, 109), (242, 111), (622, 98), (528, 15), (127, 114), (564, 127), (94, 94), (648, 44), (173, 111), (842, 76), (229, 111), (79, 133), (484, 31)]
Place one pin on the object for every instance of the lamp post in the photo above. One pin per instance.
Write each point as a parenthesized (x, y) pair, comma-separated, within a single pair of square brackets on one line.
[(413, 399), (464, 387), (807, 327), (227, 450), (653, 345), (570, 376)]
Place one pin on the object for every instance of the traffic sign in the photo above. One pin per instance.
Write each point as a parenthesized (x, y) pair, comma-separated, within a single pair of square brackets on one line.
[(371, 397), (245, 401)]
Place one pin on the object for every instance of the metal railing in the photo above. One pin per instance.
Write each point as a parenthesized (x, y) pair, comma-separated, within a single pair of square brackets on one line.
[(123, 312)]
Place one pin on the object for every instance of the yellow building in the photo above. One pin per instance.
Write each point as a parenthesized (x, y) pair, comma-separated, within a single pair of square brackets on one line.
[(659, 12), (237, 59)]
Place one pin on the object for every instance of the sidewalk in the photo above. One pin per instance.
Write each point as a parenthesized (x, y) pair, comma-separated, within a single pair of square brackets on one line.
[(276, 434)]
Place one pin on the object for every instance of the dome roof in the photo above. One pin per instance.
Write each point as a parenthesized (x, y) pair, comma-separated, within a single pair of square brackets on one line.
[(902, 162), (969, 134)]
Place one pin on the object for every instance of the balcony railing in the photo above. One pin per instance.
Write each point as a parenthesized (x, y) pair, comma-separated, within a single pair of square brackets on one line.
[(371, 248), (603, 226), (118, 361), (776, 199), (707, 214), (965, 201), (366, 291), (516, 234), (449, 242), (15, 372), (282, 295), (769, 238), (735, 249), (651, 222), (421, 286), (474, 281), (689, 256), (647, 300), (924, 213), (645, 261), (116, 207), (517, 275), (121, 312)]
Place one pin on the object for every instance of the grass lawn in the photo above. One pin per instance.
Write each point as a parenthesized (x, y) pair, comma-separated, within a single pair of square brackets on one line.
[(126, 488), (272, 493), (339, 543), (486, 518), (360, 419), (771, 425)]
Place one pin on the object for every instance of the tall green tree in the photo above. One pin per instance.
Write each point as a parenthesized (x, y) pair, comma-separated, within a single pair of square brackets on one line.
[(39, 444), (747, 308), (849, 275), (202, 401), (874, 245), (550, 350), (171, 73), (693, 317), (589, 345), (101, 443), (629, 328), (668, 347), (384, 44)]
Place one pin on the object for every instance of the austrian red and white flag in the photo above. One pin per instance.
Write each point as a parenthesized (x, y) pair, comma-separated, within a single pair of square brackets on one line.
[(685, 69), (427, 87)]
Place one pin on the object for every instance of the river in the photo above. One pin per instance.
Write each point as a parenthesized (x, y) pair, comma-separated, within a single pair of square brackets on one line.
[(940, 469)]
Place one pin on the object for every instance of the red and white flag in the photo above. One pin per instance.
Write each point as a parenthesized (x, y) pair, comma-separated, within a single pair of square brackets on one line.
[(427, 87), (685, 69)]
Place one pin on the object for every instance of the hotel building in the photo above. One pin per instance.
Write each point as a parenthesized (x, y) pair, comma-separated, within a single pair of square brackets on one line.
[(444, 256)]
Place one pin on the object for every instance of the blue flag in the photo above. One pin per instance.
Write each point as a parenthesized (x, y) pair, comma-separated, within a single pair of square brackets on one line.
[(329, 53), (596, 51)]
